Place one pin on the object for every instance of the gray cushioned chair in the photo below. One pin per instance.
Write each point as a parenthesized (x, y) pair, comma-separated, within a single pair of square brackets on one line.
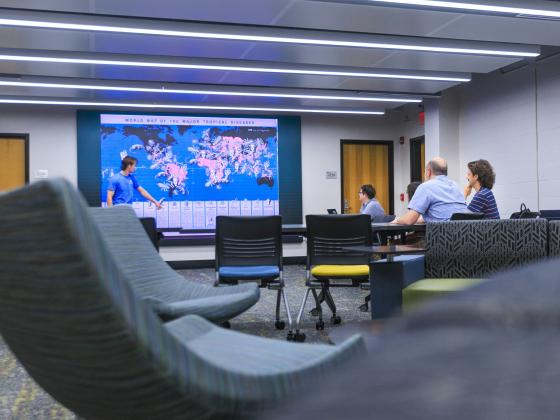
[(70, 315), (170, 294)]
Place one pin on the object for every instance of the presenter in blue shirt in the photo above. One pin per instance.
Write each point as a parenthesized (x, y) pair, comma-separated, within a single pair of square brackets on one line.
[(122, 185), (481, 178), (436, 199)]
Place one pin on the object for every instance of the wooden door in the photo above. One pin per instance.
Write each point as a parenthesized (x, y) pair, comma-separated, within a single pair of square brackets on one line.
[(13, 161), (366, 163)]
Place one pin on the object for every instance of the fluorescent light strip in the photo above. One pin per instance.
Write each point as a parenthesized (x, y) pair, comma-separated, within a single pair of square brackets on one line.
[(40, 59), (258, 38), (205, 92), (202, 107), (475, 7)]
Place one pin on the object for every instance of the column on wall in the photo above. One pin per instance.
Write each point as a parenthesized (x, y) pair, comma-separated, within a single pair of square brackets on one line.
[(442, 131)]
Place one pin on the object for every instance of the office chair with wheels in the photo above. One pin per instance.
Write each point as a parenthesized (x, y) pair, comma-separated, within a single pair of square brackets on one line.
[(250, 248), (328, 262)]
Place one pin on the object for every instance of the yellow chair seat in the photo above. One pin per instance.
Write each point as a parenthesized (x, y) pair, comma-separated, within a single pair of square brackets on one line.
[(340, 270)]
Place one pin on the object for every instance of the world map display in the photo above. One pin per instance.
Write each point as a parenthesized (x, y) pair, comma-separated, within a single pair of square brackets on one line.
[(195, 162)]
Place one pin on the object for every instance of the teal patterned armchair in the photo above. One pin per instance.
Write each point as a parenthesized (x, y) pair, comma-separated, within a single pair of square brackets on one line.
[(460, 254), (73, 318)]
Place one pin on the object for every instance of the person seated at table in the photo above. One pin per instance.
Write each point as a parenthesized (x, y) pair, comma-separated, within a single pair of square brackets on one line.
[(481, 178), (436, 199), (411, 189), (411, 238), (370, 205)]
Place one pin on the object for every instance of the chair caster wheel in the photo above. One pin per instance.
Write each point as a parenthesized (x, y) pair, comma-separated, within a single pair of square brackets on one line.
[(291, 336), (364, 307), (299, 337), (336, 319), (314, 312), (280, 325), (320, 325), (226, 325)]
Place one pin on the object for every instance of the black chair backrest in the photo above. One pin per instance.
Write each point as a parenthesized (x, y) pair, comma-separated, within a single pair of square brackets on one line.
[(149, 224), (467, 216), (328, 234), (550, 214), (248, 240)]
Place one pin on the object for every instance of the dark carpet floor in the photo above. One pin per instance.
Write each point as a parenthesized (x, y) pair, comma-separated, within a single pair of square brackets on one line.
[(22, 398)]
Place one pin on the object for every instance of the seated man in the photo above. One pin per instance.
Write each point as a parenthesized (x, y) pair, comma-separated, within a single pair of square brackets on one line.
[(370, 205), (436, 199)]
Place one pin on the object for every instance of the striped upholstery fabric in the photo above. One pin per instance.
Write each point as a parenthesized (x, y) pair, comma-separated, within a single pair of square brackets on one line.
[(169, 293), (554, 238), (69, 314), (476, 248)]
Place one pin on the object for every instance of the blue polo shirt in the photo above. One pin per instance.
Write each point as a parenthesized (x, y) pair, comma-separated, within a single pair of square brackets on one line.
[(437, 199), (374, 209), (123, 187)]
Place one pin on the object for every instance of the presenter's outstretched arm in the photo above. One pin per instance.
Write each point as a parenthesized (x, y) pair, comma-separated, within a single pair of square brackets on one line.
[(148, 197)]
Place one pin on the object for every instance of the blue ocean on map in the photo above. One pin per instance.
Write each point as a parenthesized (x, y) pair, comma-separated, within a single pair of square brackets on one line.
[(195, 163)]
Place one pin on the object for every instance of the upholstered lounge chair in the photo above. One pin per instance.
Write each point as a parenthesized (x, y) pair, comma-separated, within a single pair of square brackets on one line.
[(460, 254), (171, 295), (70, 314)]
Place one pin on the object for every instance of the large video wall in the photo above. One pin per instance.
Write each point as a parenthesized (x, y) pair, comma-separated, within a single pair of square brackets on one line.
[(198, 166)]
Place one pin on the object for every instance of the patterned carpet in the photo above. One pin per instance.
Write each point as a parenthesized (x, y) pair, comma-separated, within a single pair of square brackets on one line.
[(22, 398)]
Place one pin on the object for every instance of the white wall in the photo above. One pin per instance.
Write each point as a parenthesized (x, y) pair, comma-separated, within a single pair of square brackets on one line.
[(320, 152), (548, 132), (409, 127), (442, 131), (511, 120), (52, 138), (449, 130), (498, 124)]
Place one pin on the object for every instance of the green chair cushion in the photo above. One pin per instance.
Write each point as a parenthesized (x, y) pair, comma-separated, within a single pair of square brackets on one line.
[(426, 289)]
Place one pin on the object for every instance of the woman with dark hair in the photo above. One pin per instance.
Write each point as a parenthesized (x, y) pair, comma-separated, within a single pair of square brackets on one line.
[(481, 178)]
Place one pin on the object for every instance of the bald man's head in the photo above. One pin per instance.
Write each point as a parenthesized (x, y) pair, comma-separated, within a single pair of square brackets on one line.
[(438, 166)]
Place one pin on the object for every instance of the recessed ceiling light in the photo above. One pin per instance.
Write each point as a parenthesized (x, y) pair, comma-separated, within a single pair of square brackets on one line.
[(459, 6), (253, 33), (112, 59), (109, 85), (303, 110)]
